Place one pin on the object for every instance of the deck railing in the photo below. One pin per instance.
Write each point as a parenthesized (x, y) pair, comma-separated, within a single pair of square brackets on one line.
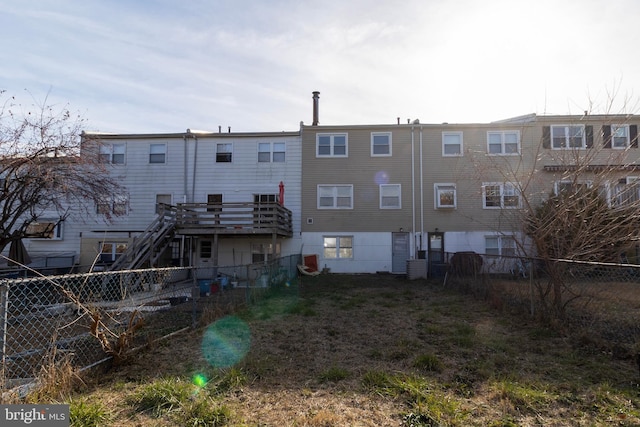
[(233, 218)]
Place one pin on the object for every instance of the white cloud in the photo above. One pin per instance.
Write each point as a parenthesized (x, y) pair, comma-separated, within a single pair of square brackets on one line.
[(161, 66)]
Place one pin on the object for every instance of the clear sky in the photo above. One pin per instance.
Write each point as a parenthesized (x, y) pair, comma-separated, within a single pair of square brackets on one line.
[(168, 65)]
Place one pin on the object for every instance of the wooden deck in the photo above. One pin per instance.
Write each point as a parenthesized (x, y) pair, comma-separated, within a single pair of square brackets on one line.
[(233, 219)]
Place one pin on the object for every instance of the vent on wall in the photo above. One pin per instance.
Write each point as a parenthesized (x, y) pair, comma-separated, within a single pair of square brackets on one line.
[(309, 220)]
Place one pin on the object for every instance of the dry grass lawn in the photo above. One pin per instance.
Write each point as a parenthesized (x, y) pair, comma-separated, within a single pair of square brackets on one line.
[(372, 350)]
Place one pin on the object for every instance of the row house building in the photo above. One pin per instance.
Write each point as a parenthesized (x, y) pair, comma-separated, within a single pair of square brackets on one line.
[(364, 198)]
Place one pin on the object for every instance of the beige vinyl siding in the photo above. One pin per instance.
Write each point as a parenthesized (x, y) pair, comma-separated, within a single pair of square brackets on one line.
[(365, 173)]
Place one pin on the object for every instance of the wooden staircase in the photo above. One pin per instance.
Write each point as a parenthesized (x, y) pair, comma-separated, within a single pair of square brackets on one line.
[(148, 247)]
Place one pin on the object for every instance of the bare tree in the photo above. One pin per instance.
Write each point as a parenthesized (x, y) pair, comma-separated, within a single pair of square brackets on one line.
[(44, 169), (578, 202)]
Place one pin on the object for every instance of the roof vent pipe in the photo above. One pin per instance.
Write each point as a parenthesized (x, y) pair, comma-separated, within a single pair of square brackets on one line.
[(316, 101), (219, 129), (229, 129)]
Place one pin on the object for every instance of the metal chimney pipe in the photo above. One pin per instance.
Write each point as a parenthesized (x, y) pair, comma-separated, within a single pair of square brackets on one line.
[(316, 101)]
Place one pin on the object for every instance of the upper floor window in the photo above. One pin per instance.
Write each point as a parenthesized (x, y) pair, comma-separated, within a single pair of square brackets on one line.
[(452, 143), (381, 144), (503, 142), (331, 145), (224, 152), (112, 153), (271, 152), (497, 195), (618, 136), (337, 247), (500, 245), (157, 153), (335, 196), (113, 206), (390, 196), (563, 137), (45, 229), (445, 196)]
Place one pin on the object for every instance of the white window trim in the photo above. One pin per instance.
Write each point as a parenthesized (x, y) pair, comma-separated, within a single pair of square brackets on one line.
[(272, 151), (436, 192), (58, 231), (446, 133), (223, 152), (338, 237), (501, 247), (502, 186), (163, 194), (399, 187), (335, 196), (346, 145), (627, 143), (502, 143), (108, 148), (390, 153), (556, 184), (164, 152), (566, 141)]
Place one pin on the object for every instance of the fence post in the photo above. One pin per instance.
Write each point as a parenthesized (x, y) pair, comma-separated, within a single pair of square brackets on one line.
[(4, 310), (195, 295), (531, 286)]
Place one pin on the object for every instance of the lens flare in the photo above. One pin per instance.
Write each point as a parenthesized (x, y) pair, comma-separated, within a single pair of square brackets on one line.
[(200, 380), (381, 177), (225, 342)]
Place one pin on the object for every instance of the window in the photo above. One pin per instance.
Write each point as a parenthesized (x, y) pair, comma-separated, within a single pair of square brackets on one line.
[(452, 143), (214, 202), (271, 152), (223, 153), (390, 196), (563, 137), (500, 195), (162, 200), (157, 153), (570, 187), (500, 245), (626, 192), (110, 251), (263, 252), (335, 196), (331, 145), (113, 206), (503, 142), (45, 229), (445, 196), (206, 247), (619, 136), (381, 144), (338, 247), (112, 153)]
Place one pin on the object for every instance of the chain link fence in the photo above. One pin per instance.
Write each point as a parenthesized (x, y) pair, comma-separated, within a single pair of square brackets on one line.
[(93, 317), (598, 303)]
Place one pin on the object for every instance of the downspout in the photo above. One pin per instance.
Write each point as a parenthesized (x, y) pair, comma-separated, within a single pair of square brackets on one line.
[(413, 189), (184, 199), (421, 193), (195, 162)]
